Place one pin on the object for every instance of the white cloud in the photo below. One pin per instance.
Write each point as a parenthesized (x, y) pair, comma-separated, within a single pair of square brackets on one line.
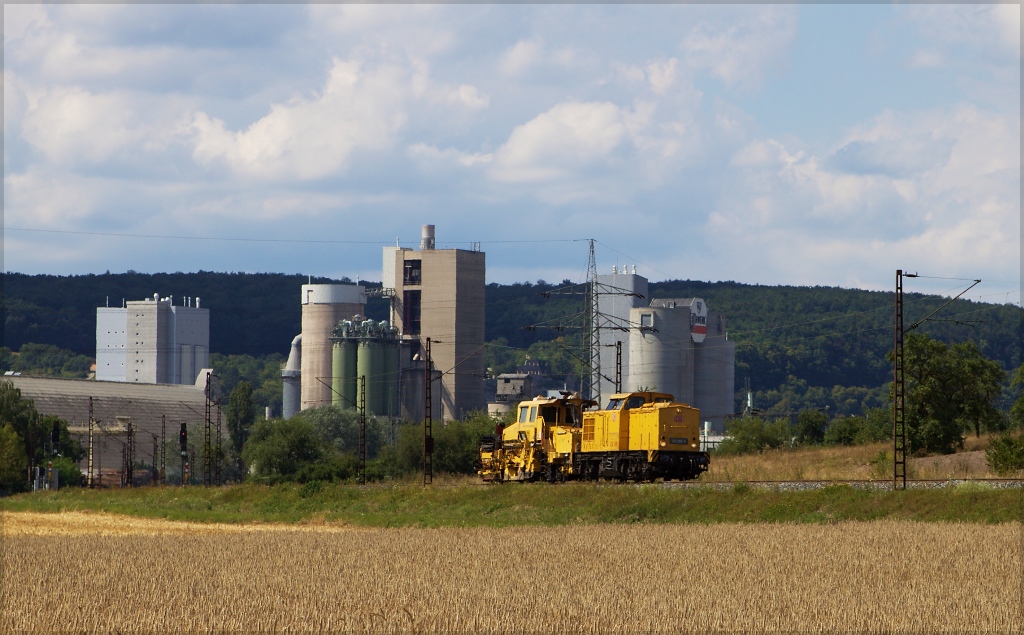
[(72, 126), (926, 59), (938, 190), (433, 156), (993, 27), (662, 76), (521, 57), (740, 46), (570, 137), (359, 109)]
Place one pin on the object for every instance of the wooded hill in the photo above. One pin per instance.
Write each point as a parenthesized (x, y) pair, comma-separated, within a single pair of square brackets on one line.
[(799, 346)]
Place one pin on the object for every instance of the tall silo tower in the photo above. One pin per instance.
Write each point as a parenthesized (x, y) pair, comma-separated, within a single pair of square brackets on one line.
[(323, 306)]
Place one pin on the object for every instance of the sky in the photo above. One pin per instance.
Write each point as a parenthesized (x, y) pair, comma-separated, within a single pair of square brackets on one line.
[(793, 144)]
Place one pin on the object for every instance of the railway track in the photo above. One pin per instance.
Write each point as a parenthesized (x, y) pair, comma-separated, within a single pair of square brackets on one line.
[(995, 483)]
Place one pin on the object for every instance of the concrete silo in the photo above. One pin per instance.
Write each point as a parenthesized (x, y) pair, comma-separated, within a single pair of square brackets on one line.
[(343, 367), (682, 349), (660, 352), (323, 306), (290, 378)]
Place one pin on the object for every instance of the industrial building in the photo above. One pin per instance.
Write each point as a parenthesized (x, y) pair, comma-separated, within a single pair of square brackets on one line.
[(152, 341), (619, 293), (156, 413), (323, 307), (668, 345), (438, 294)]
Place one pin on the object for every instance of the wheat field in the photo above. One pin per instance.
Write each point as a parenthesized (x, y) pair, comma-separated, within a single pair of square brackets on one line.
[(95, 573)]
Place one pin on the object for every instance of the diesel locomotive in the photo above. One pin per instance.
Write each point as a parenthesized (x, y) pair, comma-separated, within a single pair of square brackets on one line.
[(638, 436)]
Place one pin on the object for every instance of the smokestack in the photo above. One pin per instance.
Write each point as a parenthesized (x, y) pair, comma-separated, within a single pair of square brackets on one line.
[(427, 238)]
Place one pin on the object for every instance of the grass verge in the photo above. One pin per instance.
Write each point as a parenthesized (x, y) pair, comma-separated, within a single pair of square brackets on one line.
[(409, 505)]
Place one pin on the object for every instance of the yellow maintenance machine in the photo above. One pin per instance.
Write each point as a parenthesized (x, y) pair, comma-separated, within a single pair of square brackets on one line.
[(639, 436)]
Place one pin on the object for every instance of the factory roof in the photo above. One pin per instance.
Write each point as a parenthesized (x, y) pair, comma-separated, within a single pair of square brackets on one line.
[(144, 403)]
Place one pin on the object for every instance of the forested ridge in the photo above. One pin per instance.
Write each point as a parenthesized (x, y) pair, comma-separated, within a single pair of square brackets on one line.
[(799, 346)]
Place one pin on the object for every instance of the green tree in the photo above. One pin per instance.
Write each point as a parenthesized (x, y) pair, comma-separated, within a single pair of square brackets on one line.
[(13, 462), (1017, 410), (950, 390), (810, 427), (240, 413), (748, 435), (278, 449), (456, 444), (1005, 454)]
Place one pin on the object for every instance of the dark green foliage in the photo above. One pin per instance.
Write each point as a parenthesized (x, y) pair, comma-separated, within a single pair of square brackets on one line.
[(70, 474), (950, 390), (1005, 454), (1017, 410), (281, 448), (333, 468), (803, 348), (877, 426), (45, 360), (456, 444), (753, 434), (339, 429), (262, 372), (34, 431), (810, 427), (33, 436), (13, 463), (240, 414), (255, 314)]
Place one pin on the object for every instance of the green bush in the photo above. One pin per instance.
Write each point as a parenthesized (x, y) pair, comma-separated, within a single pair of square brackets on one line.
[(810, 427), (753, 434), (13, 461), (1005, 454), (281, 448), (859, 430)]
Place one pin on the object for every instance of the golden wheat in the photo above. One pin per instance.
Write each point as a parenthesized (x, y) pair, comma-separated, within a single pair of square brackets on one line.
[(103, 574)]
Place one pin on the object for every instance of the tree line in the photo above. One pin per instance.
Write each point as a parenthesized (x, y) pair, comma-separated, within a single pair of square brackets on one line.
[(801, 348)]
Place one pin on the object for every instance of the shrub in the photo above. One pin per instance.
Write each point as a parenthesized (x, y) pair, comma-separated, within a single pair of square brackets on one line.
[(1005, 454), (810, 427), (753, 434)]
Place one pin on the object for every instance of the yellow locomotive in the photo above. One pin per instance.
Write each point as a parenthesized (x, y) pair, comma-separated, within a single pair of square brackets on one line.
[(639, 436)]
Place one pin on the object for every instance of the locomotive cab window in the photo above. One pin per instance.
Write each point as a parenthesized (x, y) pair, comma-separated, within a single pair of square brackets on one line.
[(550, 414), (522, 414), (614, 404), (533, 413), (634, 402)]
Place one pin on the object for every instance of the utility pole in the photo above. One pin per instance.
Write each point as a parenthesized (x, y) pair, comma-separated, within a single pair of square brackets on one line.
[(428, 419), (592, 387), (899, 387), (92, 423), (899, 429), (155, 476), (361, 469), (218, 457), (207, 450), (129, 452), (163, 449), (618, 366), (183, 446)]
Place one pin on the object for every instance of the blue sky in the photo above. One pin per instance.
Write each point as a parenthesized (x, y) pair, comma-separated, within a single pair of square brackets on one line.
[(791, 144)]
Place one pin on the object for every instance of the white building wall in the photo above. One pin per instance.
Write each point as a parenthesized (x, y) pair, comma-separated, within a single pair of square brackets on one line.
[(111, 343), (615, 303), (151, 341)]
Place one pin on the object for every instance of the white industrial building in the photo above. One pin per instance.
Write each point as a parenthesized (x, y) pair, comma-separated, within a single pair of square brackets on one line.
[(152, 341), (671, 345)]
